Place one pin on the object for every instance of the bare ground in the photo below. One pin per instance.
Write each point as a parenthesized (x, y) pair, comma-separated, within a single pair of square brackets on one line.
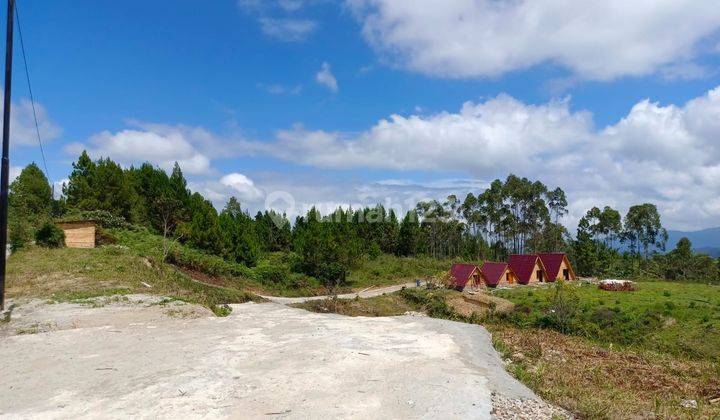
[(136, 358)]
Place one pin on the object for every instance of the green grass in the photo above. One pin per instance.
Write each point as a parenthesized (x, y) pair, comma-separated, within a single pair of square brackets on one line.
[(271, 276), (389, 269), (670, 317), (67, 274)]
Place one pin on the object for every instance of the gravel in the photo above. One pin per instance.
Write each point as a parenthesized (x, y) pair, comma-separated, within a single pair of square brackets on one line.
[(522, 408)]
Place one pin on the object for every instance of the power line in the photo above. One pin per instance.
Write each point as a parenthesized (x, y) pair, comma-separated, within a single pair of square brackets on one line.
[(32, 99)]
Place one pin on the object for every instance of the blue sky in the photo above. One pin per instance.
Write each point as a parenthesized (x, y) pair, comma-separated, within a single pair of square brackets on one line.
[(258, 97)]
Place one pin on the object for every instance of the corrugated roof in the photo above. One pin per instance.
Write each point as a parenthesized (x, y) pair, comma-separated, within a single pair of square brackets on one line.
[(461, 273), (523, 266), (493, 272)]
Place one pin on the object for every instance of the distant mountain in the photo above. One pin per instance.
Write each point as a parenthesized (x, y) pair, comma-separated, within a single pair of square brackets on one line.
[(706, 241), (713, 252)]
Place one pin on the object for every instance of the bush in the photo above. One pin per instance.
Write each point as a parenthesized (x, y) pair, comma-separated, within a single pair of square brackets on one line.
[(564, 307), (50, 236), (104, 218), (19, 234), (374, 251), (268, 272)]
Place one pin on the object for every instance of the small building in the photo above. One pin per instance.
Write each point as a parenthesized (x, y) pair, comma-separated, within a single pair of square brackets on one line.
[(557, 266), (528, 268), (465, 277), (497, 274), (79, 233)]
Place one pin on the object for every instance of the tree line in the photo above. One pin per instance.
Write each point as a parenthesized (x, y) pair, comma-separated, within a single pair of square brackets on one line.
[(514, 215)]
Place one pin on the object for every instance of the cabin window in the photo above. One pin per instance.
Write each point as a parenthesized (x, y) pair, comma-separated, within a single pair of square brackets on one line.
[(566, 274), (507, 278), (539, 275)]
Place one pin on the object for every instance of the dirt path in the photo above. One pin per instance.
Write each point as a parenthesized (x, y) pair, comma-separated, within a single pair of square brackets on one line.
[(262, 360), (376, 291)]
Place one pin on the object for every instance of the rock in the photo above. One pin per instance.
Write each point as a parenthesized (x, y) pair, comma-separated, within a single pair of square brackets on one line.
[(615, 285), (691, 404)]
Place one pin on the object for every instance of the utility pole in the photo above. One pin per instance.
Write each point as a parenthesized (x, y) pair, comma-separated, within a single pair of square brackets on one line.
[(5, 169)]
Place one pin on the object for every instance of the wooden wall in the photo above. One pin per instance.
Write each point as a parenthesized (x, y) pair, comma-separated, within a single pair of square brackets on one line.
[(79, 234)]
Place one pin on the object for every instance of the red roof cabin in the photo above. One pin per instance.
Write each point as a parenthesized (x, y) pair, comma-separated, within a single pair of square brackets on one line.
[(465, 277), (528, 268), (497, 274), (557, 266)]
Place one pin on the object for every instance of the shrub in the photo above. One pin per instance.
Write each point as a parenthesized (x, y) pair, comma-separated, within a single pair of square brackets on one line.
[(104, 218), (50, 236), (374, 251), (563, 309), (19, 234), (268, 272)]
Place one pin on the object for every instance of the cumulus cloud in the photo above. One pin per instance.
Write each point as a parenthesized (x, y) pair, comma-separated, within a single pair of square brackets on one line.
[(242, 185), (22, 124), (478, 139), (159, 144), (594, 39), (667, 154), (326, 78), (235, 185), (289, 30)]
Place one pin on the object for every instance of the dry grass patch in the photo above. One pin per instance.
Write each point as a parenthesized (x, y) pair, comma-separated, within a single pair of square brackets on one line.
[(479, 304), (597, 382), (385, 305)]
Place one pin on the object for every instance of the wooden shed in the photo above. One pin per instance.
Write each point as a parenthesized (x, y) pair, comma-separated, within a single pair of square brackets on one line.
[(528, 268), (466, 277), (79, 234), (497, 274), (557, 266)]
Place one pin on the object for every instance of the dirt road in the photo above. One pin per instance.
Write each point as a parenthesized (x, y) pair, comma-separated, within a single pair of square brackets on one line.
[(375, 291), (263, 360)]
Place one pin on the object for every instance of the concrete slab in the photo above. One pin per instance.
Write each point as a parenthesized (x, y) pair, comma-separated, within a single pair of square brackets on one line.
[(262, 360)]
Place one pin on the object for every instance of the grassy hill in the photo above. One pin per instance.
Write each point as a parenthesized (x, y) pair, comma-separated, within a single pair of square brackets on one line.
[(76, 274), (671, 317), (131, 260)]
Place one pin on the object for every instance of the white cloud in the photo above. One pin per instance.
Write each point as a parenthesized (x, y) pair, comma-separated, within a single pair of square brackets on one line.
[(478, 139), (243, 186), (261, 5), (22, 124), (277, 89), (58, 187), (290, 5), (237, 185), (286, 29), (666, 154), (594, 39), (162, 147), (326, 78), (14, 173)]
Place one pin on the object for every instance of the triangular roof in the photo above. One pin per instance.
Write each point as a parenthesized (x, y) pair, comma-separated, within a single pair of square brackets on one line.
[(552, 262), (493, 272), (461, 273), (523, 266)]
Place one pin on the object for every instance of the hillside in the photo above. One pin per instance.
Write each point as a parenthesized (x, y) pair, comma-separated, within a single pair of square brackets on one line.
[(706, 241), (130, 261), (75, 275)]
